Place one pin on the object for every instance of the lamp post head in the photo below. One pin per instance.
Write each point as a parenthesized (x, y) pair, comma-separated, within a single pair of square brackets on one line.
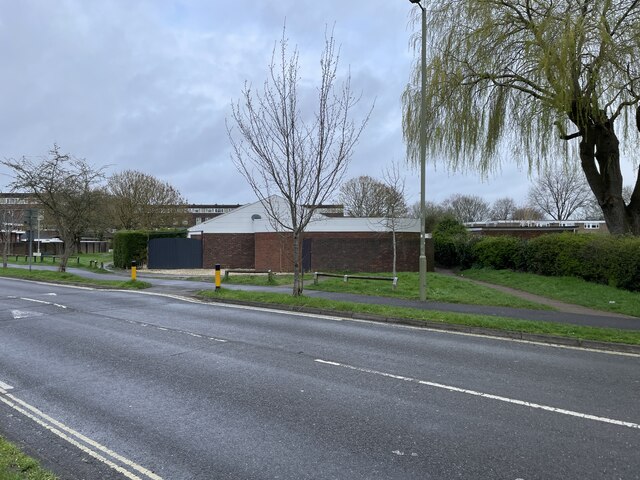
[(415, 1)]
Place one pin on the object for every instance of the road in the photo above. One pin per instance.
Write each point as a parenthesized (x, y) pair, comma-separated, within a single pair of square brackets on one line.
[(150, 386)]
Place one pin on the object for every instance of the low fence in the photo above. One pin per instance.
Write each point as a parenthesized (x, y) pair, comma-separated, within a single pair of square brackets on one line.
[(317, 275)]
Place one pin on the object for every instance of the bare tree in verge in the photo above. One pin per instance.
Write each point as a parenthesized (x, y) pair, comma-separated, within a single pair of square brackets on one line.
[(64, 186), (280, 151), (535, 75), (140, 200), (9, 216), (396, 209), (560, 193)]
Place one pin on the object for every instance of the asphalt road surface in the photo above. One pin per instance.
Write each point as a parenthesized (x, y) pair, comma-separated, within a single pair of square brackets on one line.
[(103, 384)]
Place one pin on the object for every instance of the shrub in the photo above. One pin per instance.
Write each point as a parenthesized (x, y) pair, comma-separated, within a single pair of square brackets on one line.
[(625, 266), (450, 242), (603, 259), (557, 254), (500, 253)]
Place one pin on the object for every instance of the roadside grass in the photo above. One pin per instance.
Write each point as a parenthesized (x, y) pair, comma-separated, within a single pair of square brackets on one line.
[(70, 278), (440, 288), (566, 289), (469, 320), (15, 465), (84, 261)]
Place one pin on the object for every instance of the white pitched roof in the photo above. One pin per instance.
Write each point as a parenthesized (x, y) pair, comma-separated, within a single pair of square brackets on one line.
[(253, 218)]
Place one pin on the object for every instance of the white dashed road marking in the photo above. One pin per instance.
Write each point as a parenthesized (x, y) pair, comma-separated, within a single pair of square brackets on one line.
[(489, 396)]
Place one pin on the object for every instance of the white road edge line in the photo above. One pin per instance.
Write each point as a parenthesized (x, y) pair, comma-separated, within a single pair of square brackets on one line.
[(50, 424), (5, 386), (483, 395)]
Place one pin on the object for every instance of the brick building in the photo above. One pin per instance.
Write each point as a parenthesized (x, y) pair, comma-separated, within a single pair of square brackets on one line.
[(245, 238)]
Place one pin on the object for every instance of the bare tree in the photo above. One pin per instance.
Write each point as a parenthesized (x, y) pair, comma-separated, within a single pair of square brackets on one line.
[(527, 212), (395, 205), (503, 209), (9, 216), (139, 200), (467, 208), (434, 213), (65, 188), (282, 152), (560, 192), (363, 197)]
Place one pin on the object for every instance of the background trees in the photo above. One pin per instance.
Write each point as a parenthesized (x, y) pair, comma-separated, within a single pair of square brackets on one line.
[(141, 201), (366, 196), (66, 188), (503, 208), (560, 192), (300, 157), (363, 197), (467, 208), (535, 74)]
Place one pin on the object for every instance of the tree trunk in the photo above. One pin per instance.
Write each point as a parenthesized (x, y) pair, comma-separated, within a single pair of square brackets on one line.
[(297, 277), (600, 159), (395, 249)]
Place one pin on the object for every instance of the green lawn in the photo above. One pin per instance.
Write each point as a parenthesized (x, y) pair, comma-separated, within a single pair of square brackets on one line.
[(70, 278), (440, 288), (14, 465), (83, 261), (567, 289), (484, 321)]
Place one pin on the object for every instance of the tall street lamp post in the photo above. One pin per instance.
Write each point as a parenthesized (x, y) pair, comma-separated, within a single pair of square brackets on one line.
[(423, 151)]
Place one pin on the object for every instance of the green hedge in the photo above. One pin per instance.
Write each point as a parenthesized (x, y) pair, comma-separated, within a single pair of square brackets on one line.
[(612, 260), (129, 245), (500, 253), (450, 243)]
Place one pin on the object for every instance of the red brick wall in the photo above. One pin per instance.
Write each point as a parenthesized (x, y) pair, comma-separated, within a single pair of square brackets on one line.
[(350, 251), (230, 250), (274, 251)]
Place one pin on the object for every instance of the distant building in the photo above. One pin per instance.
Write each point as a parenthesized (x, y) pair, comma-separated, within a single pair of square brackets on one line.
[(535, 228), (199, 213)]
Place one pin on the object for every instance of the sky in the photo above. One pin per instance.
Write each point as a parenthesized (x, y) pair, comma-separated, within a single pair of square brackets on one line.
[(148, 84)]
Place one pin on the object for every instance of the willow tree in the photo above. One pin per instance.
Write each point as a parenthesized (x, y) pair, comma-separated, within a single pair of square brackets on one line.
[(294, 160), (541, 76)]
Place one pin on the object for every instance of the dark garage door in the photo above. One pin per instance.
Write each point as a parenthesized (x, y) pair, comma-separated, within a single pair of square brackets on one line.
[(175, 253)]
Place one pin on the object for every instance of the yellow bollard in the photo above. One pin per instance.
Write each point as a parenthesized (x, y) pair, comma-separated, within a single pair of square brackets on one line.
[(217, 278), (133, 271)]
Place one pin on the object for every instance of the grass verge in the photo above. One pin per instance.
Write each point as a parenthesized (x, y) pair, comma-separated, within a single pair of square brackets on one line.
[(84, 261), (14, 465), (248, 279), (566, 289), (440, 288), (481, 321), (70, 278)]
